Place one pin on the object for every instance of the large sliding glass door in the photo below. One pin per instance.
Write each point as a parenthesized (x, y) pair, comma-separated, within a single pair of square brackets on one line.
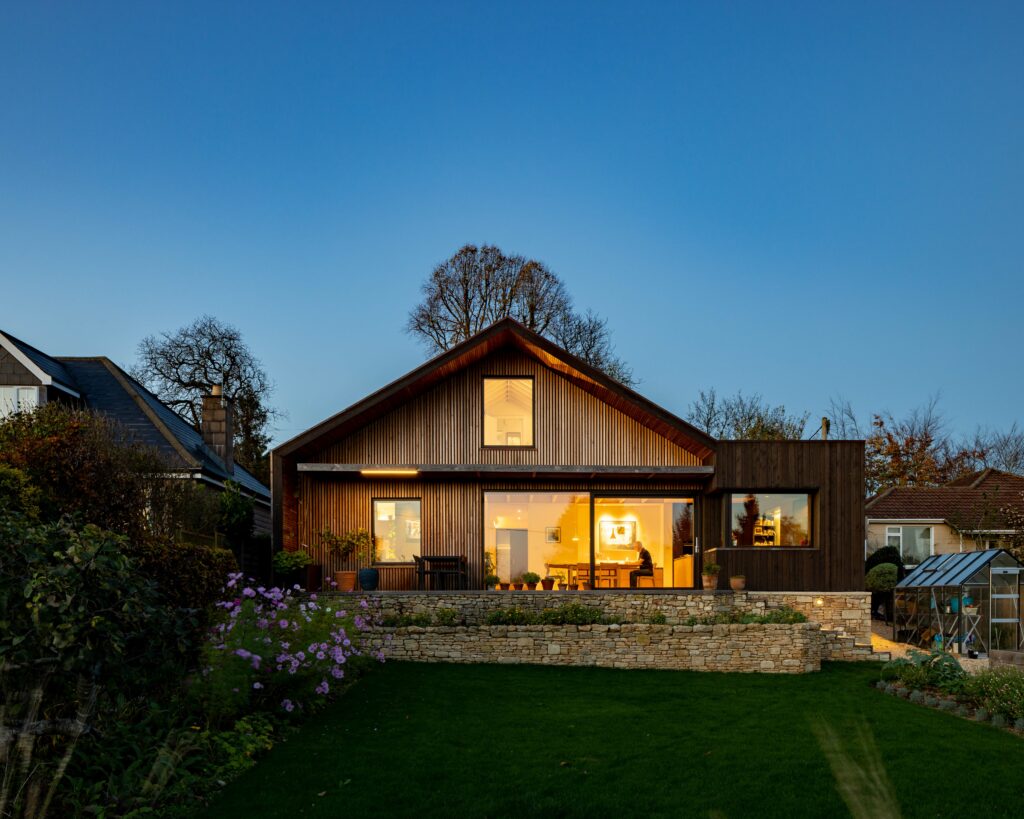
[(644, 542), (547, 533), (609, 542)]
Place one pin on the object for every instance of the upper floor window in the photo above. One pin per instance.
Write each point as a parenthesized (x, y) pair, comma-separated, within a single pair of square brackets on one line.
[(771, 519), (508, 411), (18, 399)]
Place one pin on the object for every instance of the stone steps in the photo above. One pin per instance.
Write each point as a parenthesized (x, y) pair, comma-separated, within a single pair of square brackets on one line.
[(843, 646)]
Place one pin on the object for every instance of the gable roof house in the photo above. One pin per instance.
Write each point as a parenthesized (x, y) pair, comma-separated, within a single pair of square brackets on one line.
[(30, 378), (506, 455), (962, 516)]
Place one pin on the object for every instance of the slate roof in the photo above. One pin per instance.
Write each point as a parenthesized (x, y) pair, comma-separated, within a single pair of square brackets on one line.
[(107, 388), (51, 366)]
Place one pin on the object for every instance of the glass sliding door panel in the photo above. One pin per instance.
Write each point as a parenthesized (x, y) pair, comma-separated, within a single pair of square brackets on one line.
[(547, 533), (644, 542)]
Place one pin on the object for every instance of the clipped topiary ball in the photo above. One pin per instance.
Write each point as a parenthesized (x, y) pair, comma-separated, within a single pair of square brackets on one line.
[(962, 711), (1018, 724), (948, 705), (916, 696), (981, 715), (902, 692), (931, 701), (999, 721), (881, 685), (882, 578)]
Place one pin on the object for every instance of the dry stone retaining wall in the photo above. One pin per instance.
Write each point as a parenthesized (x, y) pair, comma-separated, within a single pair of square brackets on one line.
[(848, 612), (767, 648)]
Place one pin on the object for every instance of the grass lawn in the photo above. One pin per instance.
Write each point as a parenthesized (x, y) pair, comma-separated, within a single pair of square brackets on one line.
[(489, 740)]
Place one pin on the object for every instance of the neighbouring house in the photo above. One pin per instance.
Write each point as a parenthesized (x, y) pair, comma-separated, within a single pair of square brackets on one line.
[(508, 455), (30, 378), (962, 516)]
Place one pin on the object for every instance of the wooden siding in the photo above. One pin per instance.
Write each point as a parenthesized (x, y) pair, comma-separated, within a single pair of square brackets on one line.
[(452, 522), (833, 473), (444, 426)]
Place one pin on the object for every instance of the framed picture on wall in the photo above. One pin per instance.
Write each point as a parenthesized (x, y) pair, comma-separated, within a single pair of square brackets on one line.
[(412, 529), (553, 534), (618, 534)]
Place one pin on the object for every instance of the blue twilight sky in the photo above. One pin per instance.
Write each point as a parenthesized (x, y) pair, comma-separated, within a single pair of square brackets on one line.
[(797, 199)]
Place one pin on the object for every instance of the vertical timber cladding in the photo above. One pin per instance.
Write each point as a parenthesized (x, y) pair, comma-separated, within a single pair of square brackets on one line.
[(445, 426), (833, 473), (452, 513)]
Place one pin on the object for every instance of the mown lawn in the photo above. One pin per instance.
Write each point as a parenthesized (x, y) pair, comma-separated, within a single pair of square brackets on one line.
[(457, 740)]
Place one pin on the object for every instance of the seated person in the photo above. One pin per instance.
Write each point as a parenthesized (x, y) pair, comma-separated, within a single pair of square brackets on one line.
[(646, 565)]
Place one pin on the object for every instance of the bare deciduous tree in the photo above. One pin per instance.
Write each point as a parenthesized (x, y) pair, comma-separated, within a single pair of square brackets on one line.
[(480, 285), (743, 417), (181, 367)]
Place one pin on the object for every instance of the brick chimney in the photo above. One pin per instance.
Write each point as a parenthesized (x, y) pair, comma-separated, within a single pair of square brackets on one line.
[(218, 426)]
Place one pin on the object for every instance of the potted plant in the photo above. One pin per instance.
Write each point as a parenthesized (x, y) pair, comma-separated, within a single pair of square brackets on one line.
[(709, 575), (490, 581), (547, 583), (357, 543), (738, 582), (517, 583), (289, 567), (504, 586), (531, 579)]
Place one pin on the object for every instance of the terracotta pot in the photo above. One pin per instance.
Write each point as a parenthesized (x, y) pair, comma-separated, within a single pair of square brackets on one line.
[(548, 583), (586, 586), (737, 583), (566, 586), (504, 586), (517, 586), (710, 581), (346, 581)]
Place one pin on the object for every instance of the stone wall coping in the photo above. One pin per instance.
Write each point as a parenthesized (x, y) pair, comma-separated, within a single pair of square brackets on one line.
[(584, 592), (664, 628)]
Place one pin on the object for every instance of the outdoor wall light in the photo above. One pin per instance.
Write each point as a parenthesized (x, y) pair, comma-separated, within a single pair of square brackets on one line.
[(393, 473), (819, 601)]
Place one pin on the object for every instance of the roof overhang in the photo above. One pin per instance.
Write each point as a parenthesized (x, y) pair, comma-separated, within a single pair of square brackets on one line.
[(505, 470), (506, 332)]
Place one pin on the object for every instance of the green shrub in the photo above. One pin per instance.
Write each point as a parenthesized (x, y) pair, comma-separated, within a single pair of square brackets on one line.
[(286, 561), (574, 614), (926, 669), (188, 576), (403, 620), (656, 618), (514, 616), (81, 626), (999, 690), (446, 617), (882, 578), (783, 615), (887, 554), (531, 577)]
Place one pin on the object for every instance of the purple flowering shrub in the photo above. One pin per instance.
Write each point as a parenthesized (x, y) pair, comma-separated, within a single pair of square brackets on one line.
[(274, 648)]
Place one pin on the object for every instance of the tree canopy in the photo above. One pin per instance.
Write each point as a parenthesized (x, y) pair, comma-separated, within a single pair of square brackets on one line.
[(478, 286), (182, 366)]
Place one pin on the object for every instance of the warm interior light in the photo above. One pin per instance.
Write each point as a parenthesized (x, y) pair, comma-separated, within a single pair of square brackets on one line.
[(389, 472)]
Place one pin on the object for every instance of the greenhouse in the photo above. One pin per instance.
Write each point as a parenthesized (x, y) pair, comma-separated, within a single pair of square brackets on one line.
[(967, 602)]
